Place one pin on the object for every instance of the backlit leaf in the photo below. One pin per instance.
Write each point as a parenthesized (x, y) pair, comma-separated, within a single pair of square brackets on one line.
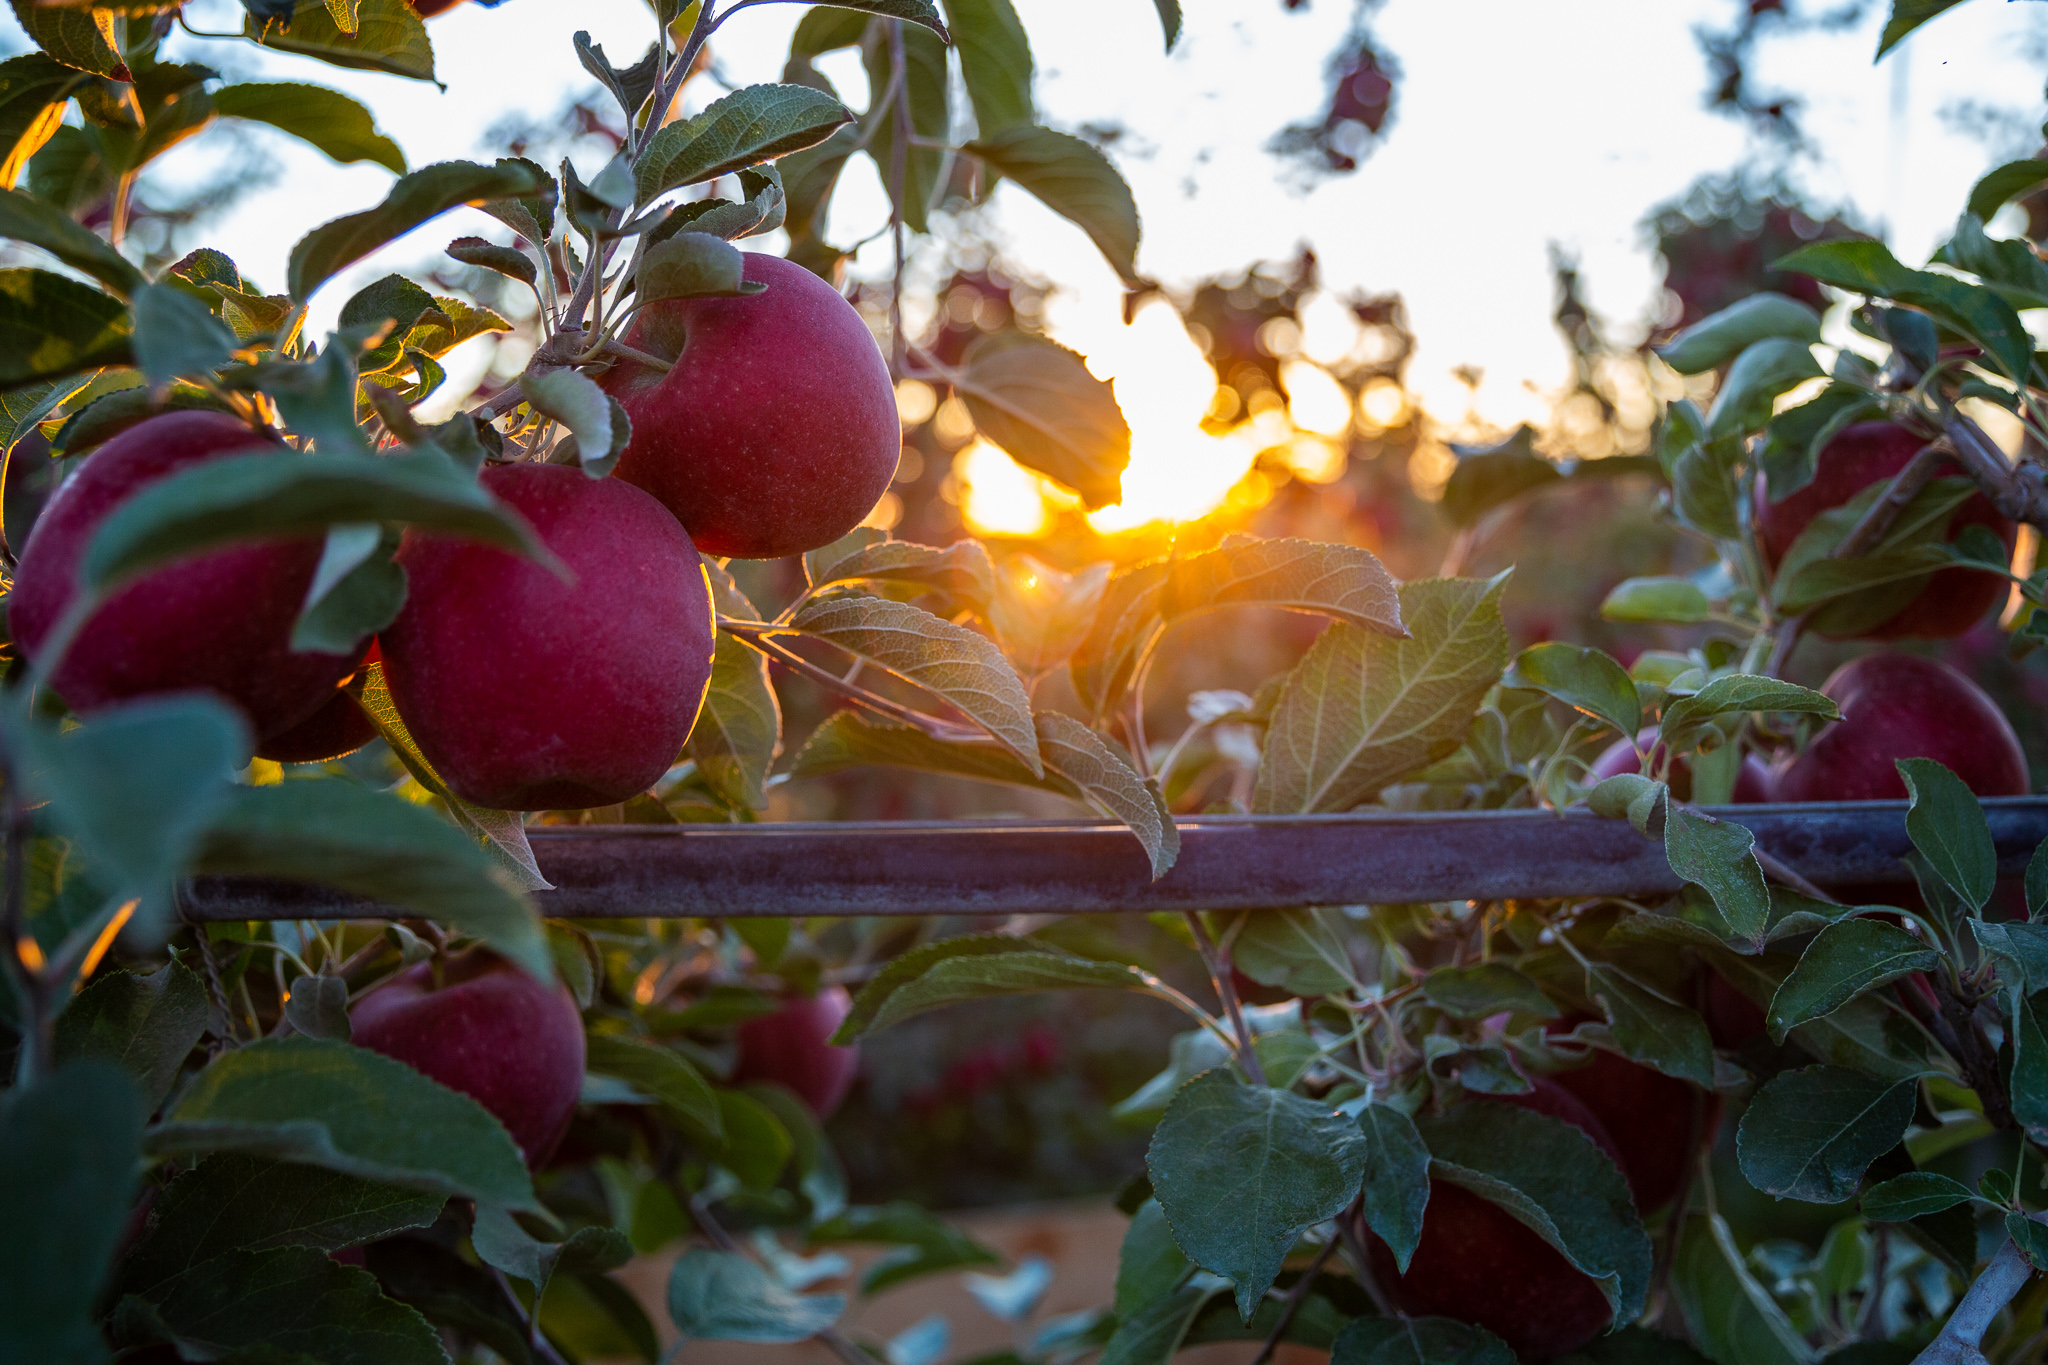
[(388, 37), (960, 570), (1340, 581), (418, 197), (28, 219), (52, 326), (148, 1024), (1037, 400), (995, 61), (2003, 184), (1869, 268), (1362, 710), (34, 91), (76, 36), (1101, 776), (1301, 951), (326, 119)]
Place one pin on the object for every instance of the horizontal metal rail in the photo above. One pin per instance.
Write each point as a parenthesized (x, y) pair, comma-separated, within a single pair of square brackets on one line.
[(1002, 867)]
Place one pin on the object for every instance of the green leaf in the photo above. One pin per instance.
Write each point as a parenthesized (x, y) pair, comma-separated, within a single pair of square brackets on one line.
[(137, 784), (505, 260), (1703, 491), (1763, 372), (595, 419), (1730, 1315), (1553, 1179), (1948, 827), (1688, 719), (503, 832), (961, 570), (287, 1304), (1169, 20), (1340, 581), (1243, 1170), (329, 1104), (388, 37), (2003, 184), (995, 61), (908, 967), (658, 1071), (242, 1203), (757, 1144), (1490, 476), (1301, 951), (1361, 710), (692, 265), (1021, 971), (76, 36), (1485, 988), (1036, 399), (1863, 1035), (28, 219), (925, 1242), (34, 93), (739, 731), (52, 326), (1657, 601), (949, 661), (1418, 1341), (417, 198), (926, 94), (148, 1024), (177, 336), (362, 598), (326, 119), (1906, 16), (2010, 267), (2037, 882), (755, 124), (1809, 1134), (70, 1142), (1100, 775), (1074, 180), (1720, 857), (1846, 959), (283, 494), (1869, 268), (1153, 1331), (1906, 1197), (1587, 680), (22, 409), (1795, 438), (1650, 1029), (1395, 1185), (385, 849), (1714, 341), (723, 1296), (1149, 1262), (501, 1243)]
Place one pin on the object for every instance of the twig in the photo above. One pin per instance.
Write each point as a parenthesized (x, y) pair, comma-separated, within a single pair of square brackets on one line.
[(1361, 1261), (1961, 1339), (1219, 977), (1292, 1303), (531, 1322), (2011, 492)]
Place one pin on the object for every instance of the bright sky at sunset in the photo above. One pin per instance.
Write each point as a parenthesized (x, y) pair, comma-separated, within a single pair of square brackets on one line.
[(1517, 125)]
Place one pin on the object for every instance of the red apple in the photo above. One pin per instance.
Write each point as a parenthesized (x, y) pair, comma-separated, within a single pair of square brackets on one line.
[(776, 431), (1476, 1263), (528, 693), (1954, 599), (1898, 706), (219, 622), (509, 1042), (1752, 779), (337, 729), (1650, 1117), (793, 1046), (427, 9)]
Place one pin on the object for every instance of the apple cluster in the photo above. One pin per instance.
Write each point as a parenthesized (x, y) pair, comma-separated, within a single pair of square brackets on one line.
[(774, 431)]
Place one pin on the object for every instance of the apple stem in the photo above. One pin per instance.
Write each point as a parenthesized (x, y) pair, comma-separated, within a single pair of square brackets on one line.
[(1219, 976)]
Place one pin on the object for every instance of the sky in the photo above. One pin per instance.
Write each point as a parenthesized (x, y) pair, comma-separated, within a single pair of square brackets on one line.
[(1517, 126)]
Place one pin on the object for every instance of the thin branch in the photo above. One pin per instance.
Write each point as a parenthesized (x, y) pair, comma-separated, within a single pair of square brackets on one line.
[(1962, 1336), (899, 171), (1292, 1303), (1219, 977)]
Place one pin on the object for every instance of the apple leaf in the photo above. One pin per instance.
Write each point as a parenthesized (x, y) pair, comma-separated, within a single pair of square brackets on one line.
[(2029, 1084), (148, 1024), (34, 93), (1039, 614), (949, 661), (1846, 959), (1660, 600), (502, 1244), (28, 219), (51, 326), (1795, 437), (1395, 1186), (234, 1203), (1073, 179), (926, 1244), (1554, 1180), (1728, 1312), (1907, 15), (1765, 371), (1948, 827), (1809, 1134), (505, 260), (910, 11), (751, 125), (388, 37), (739, 731), (177, 336), (594, 418), (418, 197), (1362, 710), (1650, 1029), (1341, 581), (2009, 266), (2000, 185), (1300, 951), (327, 120), (1906, 1197), (765, 209), (692, 265), (961, 570), (1418, 1341), (995, 62), (925, 95), (849, 739), (78, 37), (1105, 779), (1720, 857), (1036, 399), (70, 1141), (723, 1296), (1714, 341), (1863, 1035), (1483, 989), (1868, 267), (1583, 678), (1243, 1170), (1152, 1332), (1024, 970), (503, 831), (1127, 622), (24, 408), (357, 590), (323, 1103), (1688, 719), (658, 1071), (1149, 1262), (375, 845)]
